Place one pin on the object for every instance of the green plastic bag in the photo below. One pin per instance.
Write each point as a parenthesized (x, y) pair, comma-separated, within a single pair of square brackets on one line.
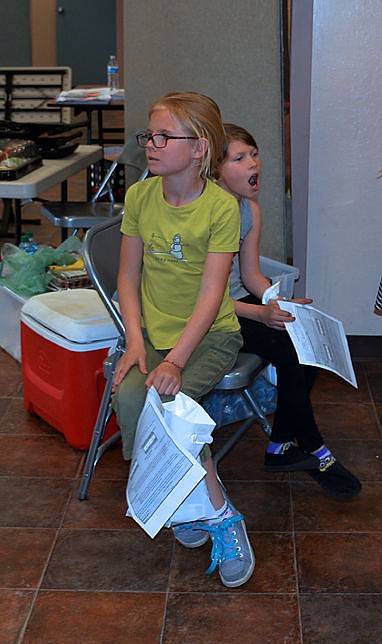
[(27, 274)]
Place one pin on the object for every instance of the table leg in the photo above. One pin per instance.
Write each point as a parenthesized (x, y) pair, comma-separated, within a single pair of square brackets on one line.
[(64, 199), (64, 191), (100, 129), (7, 216), (17, 221), (89, 127)]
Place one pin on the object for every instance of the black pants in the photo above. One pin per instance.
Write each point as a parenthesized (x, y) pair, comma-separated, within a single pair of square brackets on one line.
[(294, 419)]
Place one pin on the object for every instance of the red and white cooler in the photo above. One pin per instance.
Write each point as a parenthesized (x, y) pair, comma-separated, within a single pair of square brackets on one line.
[(65, 336)]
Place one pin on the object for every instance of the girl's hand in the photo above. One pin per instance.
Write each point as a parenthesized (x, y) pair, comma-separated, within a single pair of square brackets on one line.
[(132, 356), (166, 378), (301, 300), (274, 317)]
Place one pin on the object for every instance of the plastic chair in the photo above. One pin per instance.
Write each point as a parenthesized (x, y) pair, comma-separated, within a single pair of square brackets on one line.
[(101, 256), (83, 215)]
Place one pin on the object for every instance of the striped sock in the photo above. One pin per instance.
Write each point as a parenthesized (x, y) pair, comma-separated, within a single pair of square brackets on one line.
[(325, 457), (278, 448)]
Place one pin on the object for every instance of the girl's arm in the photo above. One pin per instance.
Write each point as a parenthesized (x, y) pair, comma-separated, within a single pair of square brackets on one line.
[(255, 282), (166, 378), (129, 279), (249, 257)]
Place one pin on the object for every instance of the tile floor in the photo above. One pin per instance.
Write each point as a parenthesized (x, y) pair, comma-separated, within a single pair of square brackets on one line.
[(79, 571)]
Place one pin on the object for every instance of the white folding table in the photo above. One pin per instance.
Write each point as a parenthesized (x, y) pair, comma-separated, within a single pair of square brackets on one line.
[(50, 174)]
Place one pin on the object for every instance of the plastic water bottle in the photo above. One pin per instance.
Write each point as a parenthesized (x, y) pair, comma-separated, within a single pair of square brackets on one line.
[(28, 243), (113, 73)]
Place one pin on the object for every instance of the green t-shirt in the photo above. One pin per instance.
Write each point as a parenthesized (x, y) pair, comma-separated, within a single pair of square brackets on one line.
[(176, 242)]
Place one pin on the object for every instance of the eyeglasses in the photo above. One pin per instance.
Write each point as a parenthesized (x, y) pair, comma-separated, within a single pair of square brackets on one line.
[(159, 140)]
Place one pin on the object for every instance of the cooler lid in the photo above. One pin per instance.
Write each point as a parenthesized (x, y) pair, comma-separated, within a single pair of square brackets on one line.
[(78, 315)]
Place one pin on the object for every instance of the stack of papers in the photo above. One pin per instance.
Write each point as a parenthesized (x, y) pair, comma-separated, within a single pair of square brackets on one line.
[(93, 94)]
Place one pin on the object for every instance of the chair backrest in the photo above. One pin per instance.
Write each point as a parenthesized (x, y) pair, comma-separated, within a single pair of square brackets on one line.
[(133, 158), (101, 251)]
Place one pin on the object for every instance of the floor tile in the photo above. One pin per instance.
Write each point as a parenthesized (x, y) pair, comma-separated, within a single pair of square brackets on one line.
[(14, 609), (17, 420), (315, 511), (274, 570), (31, 502), (331, 388), (113, 560), (4, 405), (265, 506), (96, 617), (379, 413), (105, 507), (245, 462), (112, 465), (231, 618), (346, 420), (23, 556), (339, 563), (11, 379), (39, 456), (353, 619), (374, 375)]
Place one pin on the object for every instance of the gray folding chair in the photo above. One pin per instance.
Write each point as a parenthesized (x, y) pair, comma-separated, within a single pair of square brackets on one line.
[(83, 215), (101, 256)]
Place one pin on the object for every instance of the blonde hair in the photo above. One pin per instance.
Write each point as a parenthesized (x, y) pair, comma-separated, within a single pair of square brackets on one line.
[(201, 117)]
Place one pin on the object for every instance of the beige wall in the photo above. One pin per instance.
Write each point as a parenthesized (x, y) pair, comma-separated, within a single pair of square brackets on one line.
[(229, 50)]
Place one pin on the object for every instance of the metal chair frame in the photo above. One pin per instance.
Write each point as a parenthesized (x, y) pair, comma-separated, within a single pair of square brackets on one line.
[(101, 257)]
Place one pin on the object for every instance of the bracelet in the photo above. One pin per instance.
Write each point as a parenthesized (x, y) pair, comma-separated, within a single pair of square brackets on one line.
[(174, 364)]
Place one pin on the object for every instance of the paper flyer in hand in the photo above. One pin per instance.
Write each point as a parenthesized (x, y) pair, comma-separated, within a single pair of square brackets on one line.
[(319, 340), (162, 472)]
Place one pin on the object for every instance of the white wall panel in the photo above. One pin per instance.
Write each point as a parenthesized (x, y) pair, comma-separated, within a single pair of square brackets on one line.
[(344, 197)]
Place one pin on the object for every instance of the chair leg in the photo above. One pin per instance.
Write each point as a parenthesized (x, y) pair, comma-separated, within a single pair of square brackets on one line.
[(260, 417), (95, 451), (236, 436), (256, 416)]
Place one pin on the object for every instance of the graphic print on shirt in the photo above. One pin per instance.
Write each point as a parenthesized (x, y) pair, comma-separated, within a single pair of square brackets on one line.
[(160, 246)]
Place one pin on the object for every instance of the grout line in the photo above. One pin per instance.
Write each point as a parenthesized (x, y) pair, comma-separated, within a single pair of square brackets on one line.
[(164, 620), (49, 556), (295, 560)]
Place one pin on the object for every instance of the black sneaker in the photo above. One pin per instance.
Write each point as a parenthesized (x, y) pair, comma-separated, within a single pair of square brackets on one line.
[(292, 459), (335, 479)]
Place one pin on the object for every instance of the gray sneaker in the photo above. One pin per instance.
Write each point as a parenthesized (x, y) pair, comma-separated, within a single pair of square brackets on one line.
[(231, 551), (190, 535)]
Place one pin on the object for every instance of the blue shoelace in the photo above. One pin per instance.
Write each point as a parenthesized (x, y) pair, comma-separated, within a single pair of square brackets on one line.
[(224, 543)]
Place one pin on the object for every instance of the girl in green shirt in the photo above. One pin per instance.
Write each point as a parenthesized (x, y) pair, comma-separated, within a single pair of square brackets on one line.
[(180, 232)]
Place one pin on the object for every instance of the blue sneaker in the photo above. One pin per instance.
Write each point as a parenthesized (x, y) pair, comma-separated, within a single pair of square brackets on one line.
[(231, 550), (190, 535)]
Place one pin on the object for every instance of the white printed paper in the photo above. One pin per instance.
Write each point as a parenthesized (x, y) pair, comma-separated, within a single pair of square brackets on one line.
[(271, 293), (162, 472), (319, 340)]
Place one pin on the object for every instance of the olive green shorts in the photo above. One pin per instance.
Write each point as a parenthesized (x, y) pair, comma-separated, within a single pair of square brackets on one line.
[(214, 356)]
